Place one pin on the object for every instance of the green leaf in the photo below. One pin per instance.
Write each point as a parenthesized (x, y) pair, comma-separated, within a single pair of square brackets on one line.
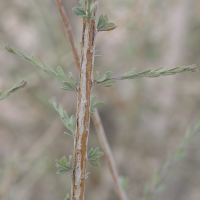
[(68, 85), (96, 164), (100, 22), (50, 69), (83, 4), (152, 75), (69, 134), (103, 24), (61, 72), (86, 175), (79, 11), (72, 120), (106, 75), (13, 89), (98, 105), (93, 99), (90, 152), (90, 1), (161, 69), (145, 72), (71, 80), (129, 73), (93, 7), (37, 62), (107, 83)]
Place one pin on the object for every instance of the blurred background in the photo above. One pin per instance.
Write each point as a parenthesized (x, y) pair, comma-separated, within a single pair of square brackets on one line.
[(144, 119)]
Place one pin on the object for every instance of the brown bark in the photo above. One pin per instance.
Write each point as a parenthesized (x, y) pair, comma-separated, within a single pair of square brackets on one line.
[(83, 109), (96, 119)]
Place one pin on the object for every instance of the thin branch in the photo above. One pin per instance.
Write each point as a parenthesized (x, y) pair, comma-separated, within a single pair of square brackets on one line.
[(105, 80), (98, 124), (108, 154), (13, 89), (69, 33)]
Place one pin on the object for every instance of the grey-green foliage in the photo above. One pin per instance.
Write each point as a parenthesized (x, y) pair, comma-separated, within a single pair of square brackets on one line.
[(157, 184), (63, 165), (93, 105), (104, 25), (13, 89), (162, 71), (104, 79), (85, 11), (94, 155), (69, 122), (59, 74)]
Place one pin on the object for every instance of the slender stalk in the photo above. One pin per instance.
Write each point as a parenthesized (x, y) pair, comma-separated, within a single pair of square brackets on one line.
[(96, 119), (83, 108), (108, 154), (69, 33)]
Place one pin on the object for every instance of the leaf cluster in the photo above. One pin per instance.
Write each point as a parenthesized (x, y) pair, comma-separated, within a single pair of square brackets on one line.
[(63, 165), (59, 74), (93, 105), (69, 122), (13, 89), (94, 155), (104, 80), (162, 71), (104, 25), (86, 10)]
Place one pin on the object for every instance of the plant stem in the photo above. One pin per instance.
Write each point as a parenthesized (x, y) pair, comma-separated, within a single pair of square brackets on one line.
[(108, 154), (83, 108), (96, 118)]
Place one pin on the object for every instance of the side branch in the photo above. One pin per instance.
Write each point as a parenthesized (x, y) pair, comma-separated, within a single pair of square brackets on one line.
[(69, 32), (13, 89), (106, 80), (108, 154)]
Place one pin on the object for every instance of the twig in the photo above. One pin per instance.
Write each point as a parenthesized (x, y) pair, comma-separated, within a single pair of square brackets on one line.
[(97, 122), (13, 89), (108, 154), (69, 33)]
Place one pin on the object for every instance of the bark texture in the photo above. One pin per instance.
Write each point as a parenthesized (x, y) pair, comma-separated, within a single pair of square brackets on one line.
[(83, 109)]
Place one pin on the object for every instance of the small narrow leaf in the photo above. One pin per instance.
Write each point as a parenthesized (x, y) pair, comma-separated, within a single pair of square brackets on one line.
[(37, 62), (93, 99), (145, 72), (79, 11), (129, 73), (98, 105)]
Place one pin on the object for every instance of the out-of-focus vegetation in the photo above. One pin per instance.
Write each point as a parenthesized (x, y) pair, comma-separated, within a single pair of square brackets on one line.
[(144, 119)]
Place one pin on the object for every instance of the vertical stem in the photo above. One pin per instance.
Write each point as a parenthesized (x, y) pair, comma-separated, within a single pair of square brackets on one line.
[(83, 109)]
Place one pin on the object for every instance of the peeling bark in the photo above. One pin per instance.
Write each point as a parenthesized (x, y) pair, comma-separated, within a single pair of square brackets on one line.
[(83, 109)]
